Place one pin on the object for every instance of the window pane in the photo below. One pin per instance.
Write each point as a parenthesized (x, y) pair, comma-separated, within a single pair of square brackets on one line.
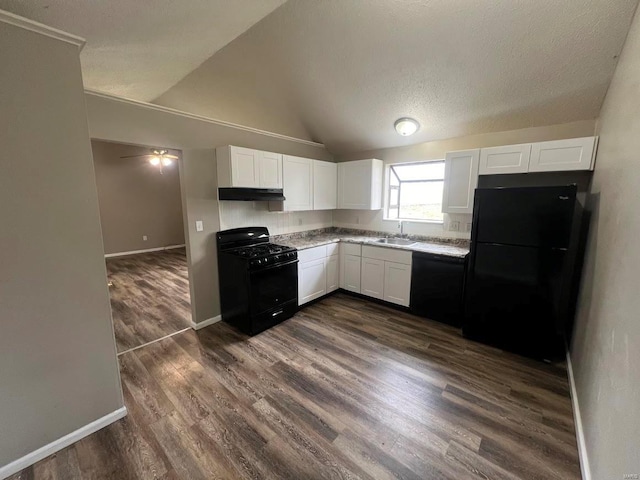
[(393, 197), (393, 213), (420, 171), (393, 179), (421, 201)]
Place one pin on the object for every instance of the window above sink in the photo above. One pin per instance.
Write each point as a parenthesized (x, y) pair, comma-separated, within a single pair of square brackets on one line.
[(414, 191)]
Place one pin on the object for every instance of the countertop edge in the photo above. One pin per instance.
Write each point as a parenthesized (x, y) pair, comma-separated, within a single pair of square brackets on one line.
[(417, 247)]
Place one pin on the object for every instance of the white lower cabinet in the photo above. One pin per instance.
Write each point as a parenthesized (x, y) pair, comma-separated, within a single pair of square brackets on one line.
[(350, 273), (332, 272), (318, 272), (397, 283), (377, 272), (312, 280), (386, 274), (372, 283)]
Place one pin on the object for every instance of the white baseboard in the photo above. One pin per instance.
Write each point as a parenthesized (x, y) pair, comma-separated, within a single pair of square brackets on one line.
[(206, 323), (57, 445), (147, 250), (577, 420)]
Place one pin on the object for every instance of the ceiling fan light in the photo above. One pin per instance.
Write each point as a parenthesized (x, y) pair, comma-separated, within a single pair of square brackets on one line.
[(406, 126), (166, 161), (155, 161)]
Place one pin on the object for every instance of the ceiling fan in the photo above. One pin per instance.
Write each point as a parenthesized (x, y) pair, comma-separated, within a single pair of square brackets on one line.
[(158, 158)]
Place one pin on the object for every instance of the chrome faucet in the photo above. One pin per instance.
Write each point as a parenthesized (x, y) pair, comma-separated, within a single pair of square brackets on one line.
[(401, 227)]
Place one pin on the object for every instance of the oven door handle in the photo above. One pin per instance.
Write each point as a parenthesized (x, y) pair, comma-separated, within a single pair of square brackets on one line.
[(265, 269)]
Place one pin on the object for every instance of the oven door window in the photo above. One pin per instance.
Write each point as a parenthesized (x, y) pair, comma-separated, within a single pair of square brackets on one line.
[(272, 287)]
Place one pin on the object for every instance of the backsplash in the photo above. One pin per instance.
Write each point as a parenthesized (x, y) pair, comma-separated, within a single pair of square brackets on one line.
[(372, 220), (249, 214)]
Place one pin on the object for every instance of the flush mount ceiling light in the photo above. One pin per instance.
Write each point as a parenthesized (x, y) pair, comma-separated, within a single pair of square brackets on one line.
[(406, 126)]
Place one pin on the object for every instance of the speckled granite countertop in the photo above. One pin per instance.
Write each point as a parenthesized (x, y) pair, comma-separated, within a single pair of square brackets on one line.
[(316, 238)]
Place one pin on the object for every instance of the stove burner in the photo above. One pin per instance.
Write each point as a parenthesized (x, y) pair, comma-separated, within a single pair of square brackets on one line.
[(261, 250)]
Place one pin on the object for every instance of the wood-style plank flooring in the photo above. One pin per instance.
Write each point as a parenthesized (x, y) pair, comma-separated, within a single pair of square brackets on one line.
[(149, 296), (345, 389)]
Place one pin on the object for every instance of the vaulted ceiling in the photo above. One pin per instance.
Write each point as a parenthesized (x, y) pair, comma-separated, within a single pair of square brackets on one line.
[(139, 49), (341, 71)]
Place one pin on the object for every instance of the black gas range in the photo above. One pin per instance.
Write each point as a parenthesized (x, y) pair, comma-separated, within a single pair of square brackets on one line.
[(258, 279)]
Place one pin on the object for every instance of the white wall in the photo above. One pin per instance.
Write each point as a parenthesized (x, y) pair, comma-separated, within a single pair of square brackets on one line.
[(248, 214), (136, 123), (605, 351), (135, 200), (436, 151), (58, 366)]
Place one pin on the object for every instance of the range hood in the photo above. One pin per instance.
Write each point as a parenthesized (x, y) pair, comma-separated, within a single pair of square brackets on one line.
[(251, 194)]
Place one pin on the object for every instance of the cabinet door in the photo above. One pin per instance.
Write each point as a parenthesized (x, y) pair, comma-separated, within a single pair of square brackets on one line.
[(350, 273), (507, 159), (244, 167), (397, 283), (312, 281), (325, 185), (372, 282), (460, 181), (270, 170), (354, 183), (332, 273), (297, 183), (559, 155)]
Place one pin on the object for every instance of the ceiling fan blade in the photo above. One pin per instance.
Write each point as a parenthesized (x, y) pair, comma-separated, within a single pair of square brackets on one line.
[(175, 157), (137, 156)]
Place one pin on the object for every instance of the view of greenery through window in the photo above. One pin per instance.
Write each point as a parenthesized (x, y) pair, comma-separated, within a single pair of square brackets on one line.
[(415, 191)]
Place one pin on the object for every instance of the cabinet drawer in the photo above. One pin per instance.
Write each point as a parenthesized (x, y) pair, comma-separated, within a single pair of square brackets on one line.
[(352, 249), (333, 249), (310, 254), (387, 254)]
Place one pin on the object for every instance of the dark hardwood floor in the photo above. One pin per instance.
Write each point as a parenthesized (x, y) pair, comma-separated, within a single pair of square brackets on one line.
[(345, 389), (149, 296)]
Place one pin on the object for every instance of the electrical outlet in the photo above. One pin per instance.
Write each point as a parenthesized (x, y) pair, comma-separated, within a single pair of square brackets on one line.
[(299, 221), (357, 220), (144, 238), (468, 227), (454, 226), (199, 226)]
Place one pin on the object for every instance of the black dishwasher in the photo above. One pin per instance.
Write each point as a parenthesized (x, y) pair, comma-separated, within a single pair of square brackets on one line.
[(437, 287)]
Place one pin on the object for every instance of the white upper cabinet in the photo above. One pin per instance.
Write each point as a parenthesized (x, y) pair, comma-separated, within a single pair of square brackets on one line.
[(297, 175), (360, 185), (560, 155), (325, 185), (554, 156), (270, 170), (507, 159), (248, 168), (460, 181)]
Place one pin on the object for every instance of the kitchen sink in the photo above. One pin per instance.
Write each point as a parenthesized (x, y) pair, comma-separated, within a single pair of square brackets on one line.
[(395, 241)]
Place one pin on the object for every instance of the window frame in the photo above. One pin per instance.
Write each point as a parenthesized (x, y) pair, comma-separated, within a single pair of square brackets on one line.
[(388, 189)]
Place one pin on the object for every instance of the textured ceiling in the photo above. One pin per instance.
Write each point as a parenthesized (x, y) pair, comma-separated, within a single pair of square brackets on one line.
[(341, 71), (138, 49)]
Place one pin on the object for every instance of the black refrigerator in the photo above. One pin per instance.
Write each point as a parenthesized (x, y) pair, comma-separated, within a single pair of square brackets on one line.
[(521, 275)]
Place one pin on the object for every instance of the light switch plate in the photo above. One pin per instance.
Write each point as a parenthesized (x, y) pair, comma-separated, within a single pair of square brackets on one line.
[(199, 226)]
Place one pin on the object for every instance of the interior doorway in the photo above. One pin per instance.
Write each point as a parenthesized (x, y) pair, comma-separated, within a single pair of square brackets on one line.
[(144, 240)]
